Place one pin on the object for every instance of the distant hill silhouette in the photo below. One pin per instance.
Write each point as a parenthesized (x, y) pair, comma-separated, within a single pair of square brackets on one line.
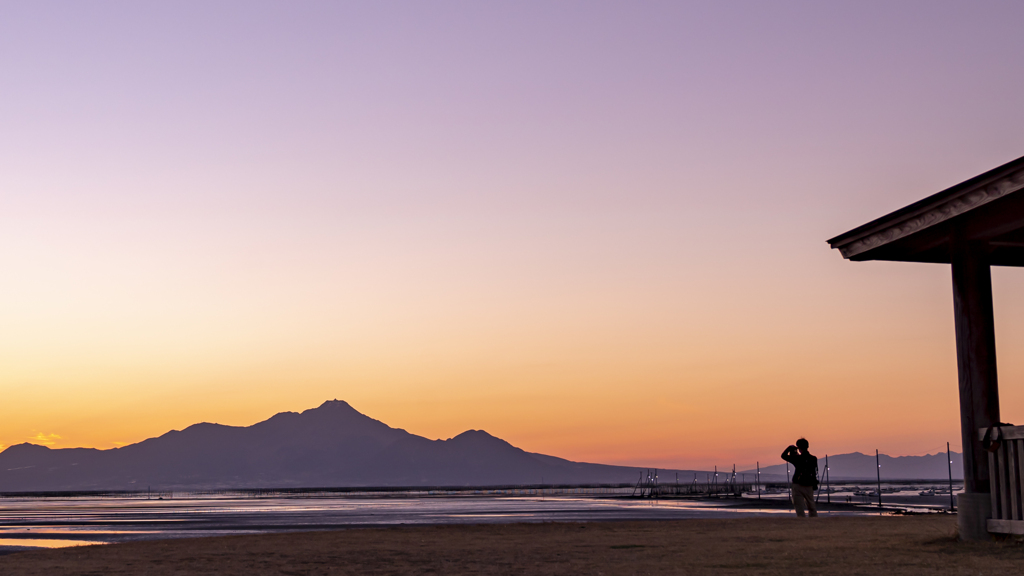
[(857, 466), (329, 446)]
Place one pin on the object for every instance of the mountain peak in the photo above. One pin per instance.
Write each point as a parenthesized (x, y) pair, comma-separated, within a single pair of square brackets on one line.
[(26, 447), (335, 404), (474, 434), (330, 445), (478, 437), (334, 408)]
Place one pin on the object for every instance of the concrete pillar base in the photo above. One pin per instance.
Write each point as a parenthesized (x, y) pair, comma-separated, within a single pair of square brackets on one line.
[(972, 514)]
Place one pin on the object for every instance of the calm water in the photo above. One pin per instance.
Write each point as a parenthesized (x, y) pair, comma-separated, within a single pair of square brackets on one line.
[(60, 522), (52, 522)]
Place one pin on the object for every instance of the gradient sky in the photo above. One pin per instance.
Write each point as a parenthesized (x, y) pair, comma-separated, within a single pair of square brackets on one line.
[(596, 230)]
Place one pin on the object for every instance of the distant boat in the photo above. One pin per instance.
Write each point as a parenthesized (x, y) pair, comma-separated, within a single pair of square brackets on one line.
[(927, 493)]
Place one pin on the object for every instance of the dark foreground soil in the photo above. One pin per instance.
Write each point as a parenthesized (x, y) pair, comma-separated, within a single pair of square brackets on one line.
[(783, 546)]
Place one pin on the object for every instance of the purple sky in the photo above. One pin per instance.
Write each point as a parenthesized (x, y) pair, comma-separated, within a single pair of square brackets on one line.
[(507, 216)]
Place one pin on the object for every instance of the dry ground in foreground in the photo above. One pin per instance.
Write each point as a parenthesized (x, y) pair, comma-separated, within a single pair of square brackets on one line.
[(784, 546)]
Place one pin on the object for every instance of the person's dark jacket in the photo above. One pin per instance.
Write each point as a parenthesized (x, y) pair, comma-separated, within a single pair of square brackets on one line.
[(806, 465)]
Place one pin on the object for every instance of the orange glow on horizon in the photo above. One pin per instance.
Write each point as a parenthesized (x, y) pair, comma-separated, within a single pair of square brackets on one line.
[(597, 234)]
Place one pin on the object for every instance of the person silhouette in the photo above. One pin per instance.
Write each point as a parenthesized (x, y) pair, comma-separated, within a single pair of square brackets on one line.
[(805, 476)]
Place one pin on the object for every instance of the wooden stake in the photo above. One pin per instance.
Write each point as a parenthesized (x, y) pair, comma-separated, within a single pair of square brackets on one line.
[(878, 474)]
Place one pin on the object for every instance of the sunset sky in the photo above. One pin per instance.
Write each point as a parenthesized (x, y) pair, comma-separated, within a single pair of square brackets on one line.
[(596, 230)]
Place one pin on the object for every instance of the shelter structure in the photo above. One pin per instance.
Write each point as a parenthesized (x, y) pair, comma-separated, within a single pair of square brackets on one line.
[(972, 226)]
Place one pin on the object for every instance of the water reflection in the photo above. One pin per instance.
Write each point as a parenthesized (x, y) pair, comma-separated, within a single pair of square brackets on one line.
[(44, 543), (94, 520)]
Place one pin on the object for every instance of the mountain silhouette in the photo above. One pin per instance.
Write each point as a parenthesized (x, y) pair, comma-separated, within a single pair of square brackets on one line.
[(330, 446), (857, 466)]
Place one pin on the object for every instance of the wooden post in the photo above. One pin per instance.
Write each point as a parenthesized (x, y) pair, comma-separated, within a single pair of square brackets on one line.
[(878, 470), (950, 466), (789, 481), (979, 390), (828, 487), (975, 356), (757, 481)]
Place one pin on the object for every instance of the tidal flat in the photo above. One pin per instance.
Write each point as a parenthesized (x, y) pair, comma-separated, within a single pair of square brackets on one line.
[(55, 522), (782, 545)]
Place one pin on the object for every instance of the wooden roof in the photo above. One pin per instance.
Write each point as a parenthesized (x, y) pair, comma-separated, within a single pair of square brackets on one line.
[(988, 208)]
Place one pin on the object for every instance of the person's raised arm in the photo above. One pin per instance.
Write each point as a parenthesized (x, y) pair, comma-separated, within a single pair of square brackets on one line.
[(789, 454)]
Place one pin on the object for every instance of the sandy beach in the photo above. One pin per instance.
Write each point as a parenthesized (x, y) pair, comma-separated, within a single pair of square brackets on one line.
[(764, 545)]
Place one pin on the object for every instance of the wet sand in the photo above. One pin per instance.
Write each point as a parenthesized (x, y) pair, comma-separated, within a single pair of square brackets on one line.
[(56, 522), (762, 545)]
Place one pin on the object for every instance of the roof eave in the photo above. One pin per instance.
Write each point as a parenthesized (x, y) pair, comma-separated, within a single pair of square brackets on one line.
[(932, 210)]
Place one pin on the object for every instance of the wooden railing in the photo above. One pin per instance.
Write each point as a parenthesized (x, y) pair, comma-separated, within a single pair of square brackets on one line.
[(1006, 478)]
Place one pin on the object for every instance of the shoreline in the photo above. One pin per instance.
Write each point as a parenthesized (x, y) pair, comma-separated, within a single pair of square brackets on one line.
[(754, 545), (75, 522)]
